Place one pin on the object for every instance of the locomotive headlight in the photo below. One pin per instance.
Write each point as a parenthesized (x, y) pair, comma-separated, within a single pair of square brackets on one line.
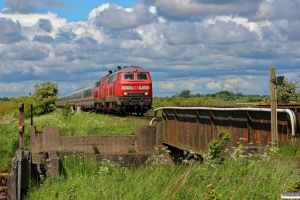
[(125, 93), (146, 93)]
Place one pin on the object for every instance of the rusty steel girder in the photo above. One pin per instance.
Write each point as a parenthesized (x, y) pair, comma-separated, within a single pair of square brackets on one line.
[(192, 129)]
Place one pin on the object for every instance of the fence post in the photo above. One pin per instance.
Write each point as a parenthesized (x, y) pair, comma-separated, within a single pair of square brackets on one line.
[(273, 98), (21, 126)]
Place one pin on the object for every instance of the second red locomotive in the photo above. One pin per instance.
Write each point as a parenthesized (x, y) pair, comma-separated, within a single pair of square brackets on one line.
[(126, 90)]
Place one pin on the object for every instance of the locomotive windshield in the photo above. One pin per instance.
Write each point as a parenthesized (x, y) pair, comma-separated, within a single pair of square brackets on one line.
[(142, 76), (128, 76)]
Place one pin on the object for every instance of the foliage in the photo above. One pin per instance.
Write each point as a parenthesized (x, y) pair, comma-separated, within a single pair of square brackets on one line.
[(210, 193), (85, 178), (254, 98), (131, 150), (290, 148), (294, 187), (225, 95), (66, 111), (79, 124), (8, 144), (10, 108), (158, 158), (45, 95), (288, 91), (90, 124), (238, 177), (176, 101), (4, 99), (184, 94), (218, 145)]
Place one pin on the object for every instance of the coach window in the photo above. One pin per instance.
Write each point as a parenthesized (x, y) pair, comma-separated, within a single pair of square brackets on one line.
[(128, 76), (141, 76)]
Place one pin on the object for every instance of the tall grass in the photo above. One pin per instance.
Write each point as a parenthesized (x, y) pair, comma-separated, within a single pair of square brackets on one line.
[(79, 124), (85, 123), (8, 144), (11, 107), (252, 178), (290, 149)]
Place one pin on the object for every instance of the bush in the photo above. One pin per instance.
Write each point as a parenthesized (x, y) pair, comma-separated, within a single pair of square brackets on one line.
[(45, 96), (66, 111)]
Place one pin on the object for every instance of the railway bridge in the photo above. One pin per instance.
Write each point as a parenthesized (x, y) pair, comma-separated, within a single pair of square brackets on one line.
[(193, 128), (184, 128)]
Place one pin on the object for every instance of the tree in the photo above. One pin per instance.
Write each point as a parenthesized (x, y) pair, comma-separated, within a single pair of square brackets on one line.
[(288, 91), (185, 94), (45, 95), (225, 95), (4, 99)]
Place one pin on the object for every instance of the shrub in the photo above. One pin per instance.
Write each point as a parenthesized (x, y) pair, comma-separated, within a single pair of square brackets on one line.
[(66, 111), (216, 146), (45, 95)]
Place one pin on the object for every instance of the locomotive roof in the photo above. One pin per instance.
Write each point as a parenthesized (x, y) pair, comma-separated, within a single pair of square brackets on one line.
[(129, 69), (125, 69)]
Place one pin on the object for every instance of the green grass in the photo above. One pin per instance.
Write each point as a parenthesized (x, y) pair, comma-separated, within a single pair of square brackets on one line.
[(290, 149), (8, 144), (252, 178), (79, 124), (84, 178), (90, 124)]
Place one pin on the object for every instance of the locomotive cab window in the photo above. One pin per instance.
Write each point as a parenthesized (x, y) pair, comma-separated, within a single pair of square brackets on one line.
[(141, 76), (128, 76)]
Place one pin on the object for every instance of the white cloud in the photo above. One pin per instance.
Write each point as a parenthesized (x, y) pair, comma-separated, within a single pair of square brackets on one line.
[(214, 86), (204, 46)]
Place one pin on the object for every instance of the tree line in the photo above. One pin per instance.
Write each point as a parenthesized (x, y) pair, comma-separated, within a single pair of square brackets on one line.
[(288, 92)]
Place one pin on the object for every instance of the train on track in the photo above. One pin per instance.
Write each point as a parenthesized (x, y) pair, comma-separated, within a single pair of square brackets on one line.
[(127, 90)]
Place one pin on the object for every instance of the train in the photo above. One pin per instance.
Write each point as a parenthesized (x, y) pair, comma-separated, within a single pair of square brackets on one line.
[(126, 90)]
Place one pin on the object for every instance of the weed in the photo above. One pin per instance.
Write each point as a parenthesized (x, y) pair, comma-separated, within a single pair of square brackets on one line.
[(190, 158), (131, 150), (66, 111), (210, 193), (218, 145), (9, 117), (158, 158), (294, 187), (96, 151)]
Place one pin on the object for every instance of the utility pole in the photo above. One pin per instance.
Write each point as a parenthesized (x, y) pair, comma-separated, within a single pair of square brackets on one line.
[(273, 98)]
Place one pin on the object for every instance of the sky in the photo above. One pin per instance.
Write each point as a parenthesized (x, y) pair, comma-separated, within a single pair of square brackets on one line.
[(204, 46)]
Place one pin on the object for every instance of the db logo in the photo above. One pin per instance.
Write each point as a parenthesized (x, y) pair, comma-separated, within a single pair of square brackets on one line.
[(135, 87)]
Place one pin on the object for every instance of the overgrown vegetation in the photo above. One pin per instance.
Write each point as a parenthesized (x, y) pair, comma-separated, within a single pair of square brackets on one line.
[(43, 101), (240, 176), (288, 92), (224, 95), (66, 111), (45, 95), (213, 176)]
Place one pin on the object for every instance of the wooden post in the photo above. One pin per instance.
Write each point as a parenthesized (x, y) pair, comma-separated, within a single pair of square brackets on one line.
[(31, 115), (21, 126), (273, 98)]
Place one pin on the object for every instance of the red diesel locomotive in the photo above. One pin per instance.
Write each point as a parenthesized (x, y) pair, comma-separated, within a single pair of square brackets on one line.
[(126, 90)]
